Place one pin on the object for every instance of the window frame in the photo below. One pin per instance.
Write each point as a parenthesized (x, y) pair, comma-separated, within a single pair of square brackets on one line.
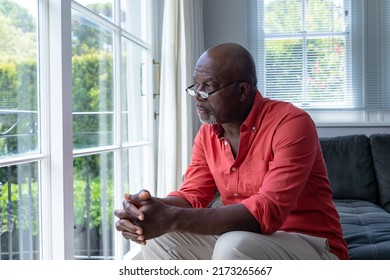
[(56, 152), (359, 53)]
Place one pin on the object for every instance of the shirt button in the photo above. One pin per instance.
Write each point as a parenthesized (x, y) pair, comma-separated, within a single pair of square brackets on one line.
[(233, 168), (253, 128), (225, 143), (235, 194)]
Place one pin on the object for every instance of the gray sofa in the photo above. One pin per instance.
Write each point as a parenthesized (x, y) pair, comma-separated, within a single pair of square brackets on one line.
[(359, 171)]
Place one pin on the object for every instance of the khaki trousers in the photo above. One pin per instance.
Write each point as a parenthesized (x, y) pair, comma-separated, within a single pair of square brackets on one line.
[(237, 245)]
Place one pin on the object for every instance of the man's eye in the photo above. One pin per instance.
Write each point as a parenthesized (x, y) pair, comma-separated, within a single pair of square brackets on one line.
[(205, 86)]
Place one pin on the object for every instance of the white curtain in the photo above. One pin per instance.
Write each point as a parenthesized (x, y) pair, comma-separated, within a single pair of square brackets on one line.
[(182, 43)]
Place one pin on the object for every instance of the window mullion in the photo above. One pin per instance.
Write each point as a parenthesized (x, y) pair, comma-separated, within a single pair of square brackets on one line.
[(61, 136), (118, 238), (304, 54)]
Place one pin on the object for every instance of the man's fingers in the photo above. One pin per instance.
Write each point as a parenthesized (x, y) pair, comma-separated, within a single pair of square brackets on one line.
[(129, 212), (134, 211), (121, 214), (130, 231), (136, 238), (133, 202), (125, 225)]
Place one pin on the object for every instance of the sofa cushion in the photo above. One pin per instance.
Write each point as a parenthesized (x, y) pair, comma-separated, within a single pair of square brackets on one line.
[(366, 229), (350, 167), (380, 148)]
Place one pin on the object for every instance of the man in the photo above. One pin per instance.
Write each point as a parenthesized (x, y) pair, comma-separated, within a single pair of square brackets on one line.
[(265, 160)]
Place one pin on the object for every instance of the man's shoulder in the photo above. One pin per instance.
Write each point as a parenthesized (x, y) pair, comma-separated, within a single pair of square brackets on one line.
[(281, 109)]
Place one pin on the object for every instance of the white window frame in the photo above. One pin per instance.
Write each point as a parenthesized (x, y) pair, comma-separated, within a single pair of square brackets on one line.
[(340, 117), (57, 169), (56, 154)]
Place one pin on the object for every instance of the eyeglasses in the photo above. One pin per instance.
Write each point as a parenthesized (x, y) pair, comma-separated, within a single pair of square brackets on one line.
[(205, 94)]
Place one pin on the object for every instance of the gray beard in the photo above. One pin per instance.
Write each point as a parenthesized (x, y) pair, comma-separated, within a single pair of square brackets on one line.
[(210, 121)]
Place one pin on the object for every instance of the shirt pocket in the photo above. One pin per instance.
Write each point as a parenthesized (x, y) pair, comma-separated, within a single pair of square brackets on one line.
[(254, 176)]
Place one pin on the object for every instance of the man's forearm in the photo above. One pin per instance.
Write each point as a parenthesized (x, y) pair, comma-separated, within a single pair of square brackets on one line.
[(176, 201), (213, 221)]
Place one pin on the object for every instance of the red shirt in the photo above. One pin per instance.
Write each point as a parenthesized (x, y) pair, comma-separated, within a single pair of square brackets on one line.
[(279, 173)]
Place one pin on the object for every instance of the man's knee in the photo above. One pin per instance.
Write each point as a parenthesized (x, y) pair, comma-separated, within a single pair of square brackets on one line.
[(243, 245), (180, 246), (229, 246)]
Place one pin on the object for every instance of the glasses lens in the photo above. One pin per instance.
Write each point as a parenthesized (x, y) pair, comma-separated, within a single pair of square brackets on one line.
[(191, 92), (203, 94)]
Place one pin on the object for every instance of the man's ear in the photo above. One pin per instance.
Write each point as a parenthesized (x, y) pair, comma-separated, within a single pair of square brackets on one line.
[(245, 90)]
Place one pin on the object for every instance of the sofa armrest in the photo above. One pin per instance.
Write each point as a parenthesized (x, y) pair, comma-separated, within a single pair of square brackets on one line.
[(380, 147)]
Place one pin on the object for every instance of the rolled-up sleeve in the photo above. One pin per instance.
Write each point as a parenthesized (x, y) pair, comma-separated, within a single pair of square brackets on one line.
[(198, 186)]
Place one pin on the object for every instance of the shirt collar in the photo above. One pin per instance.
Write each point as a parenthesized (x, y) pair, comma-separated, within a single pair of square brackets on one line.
[(252, 121)]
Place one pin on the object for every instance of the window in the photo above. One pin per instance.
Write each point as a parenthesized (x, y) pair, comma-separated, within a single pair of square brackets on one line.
[(325, 56), (75, 138), (20, 131), (111, 117)]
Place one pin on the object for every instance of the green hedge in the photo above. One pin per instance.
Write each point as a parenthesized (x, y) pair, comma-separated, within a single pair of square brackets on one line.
[(92, 91)]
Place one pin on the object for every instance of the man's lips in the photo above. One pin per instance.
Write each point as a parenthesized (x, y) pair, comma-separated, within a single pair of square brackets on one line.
[(201, 109)]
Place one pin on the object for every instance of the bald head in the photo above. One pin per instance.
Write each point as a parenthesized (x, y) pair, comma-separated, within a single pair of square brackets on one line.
[(233, 62)]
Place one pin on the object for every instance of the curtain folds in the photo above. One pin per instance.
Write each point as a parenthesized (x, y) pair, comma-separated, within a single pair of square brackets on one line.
[(182, 43)]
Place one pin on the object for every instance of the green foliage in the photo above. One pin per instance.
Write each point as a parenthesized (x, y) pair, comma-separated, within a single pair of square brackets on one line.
[(104, 9), (92, 85), (19, 209), (92, 181), (17, 33), (27, 85), (92, 82), (94, 197), (18, 78), (22, 204), (288, 70), (18, 92), (88, 36), (18, 85), (92, 92), (8, 86), (283, 16), (19, 17)]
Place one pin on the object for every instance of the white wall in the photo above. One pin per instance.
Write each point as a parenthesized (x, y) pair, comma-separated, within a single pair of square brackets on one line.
[(226, 21)]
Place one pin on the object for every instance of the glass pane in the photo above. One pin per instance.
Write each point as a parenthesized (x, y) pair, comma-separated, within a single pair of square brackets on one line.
[(135, 169), (134, 93), (320, 16), (93, 96), (136, 175), (134, 17), (103, 8), (284, 68), (326, 78), (325, 16), (19, 123), (93, 207), (19, 212), (282, 17)]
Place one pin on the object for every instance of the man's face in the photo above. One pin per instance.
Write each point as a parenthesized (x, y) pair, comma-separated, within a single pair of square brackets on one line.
[(221, 106)]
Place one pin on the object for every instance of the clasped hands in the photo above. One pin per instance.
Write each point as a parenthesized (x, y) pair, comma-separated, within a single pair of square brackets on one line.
[(142, 217)]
